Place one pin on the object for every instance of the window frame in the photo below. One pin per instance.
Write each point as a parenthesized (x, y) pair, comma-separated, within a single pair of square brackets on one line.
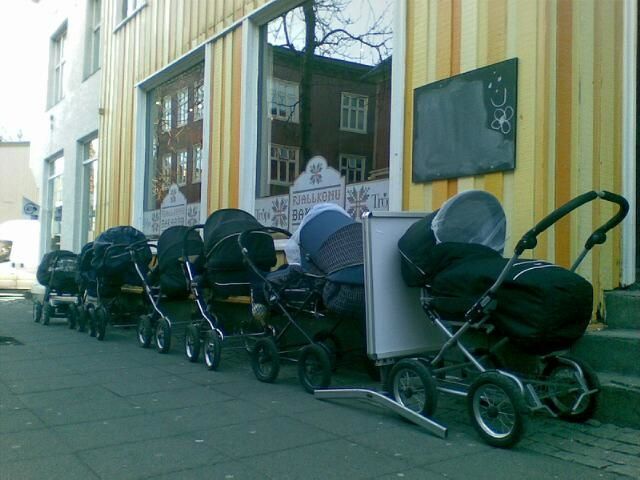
[(88, 162), (293, 116), (353, 110), (93, 44), (57, 64), (280, 161), (125, 11), (346, 169)]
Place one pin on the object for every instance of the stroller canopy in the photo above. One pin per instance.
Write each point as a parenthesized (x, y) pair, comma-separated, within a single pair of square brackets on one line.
[(473, 216), (321, 222), (58, 267), (173, 243), (221, 232), (110, 254)]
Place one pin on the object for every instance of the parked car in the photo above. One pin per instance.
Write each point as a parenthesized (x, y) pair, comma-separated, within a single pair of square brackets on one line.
[(19, 253)]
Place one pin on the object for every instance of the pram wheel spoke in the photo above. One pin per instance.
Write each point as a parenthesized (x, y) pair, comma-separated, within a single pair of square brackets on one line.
[(101, 319), (497, 409), (572, 388), (411, 384), (144, 331), (192, 343), (314, 367), (265, 360), (37, 312), (163, 336), (212, 350)]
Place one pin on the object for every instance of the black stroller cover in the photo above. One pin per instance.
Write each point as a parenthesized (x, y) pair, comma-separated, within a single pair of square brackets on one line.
[(169, 273), (57, 270), (86, 275), (226, 272), (541, 307), (112, 260)]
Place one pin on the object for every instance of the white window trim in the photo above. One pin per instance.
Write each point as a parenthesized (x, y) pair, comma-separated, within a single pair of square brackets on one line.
[(356, 110), (185, 155), (249, 100), (195, 180), (122, 22), (285, 83), (56, 81), (182, 112)]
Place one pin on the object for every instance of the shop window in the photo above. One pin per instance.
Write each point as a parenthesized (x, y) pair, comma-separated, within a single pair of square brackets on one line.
[(54, 201), (173, 166), (323, 93), (89, 198)]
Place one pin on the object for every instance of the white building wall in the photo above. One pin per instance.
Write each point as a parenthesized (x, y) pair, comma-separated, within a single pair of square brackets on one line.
[(63, 126)]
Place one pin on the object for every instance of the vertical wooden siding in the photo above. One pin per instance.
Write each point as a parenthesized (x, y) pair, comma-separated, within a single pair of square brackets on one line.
[(160, 33), (569, 100)]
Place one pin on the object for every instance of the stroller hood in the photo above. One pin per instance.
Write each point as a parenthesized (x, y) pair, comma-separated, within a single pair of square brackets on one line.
[(59, 266), (169, 273), (473, 216), (112, 261)]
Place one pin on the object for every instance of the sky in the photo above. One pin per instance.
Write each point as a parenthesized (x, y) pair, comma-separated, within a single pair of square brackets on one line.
[(23, 72)]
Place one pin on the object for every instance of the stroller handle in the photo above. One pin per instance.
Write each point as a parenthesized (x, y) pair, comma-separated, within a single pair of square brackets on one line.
[(529, 239), (245, 252)]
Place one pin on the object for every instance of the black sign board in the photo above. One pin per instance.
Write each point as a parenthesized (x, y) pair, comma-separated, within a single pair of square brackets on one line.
[(466, 125)]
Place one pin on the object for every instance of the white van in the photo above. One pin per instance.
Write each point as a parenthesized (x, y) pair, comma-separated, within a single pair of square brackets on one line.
[(19, 253)]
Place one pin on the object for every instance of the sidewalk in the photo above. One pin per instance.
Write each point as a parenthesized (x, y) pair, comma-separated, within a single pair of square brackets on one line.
[(75, 408)]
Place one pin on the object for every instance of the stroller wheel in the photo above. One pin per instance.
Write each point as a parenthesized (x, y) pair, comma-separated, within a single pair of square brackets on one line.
[(332, 344), (567, 379), (163, 336), (101, 318), (91, 314), (265, 360), (37, 312), (47, 311), (412, 386), (192, 343), (314, 367), (73, 316), (212, 350), (82, 319), (497, 409), (144, 331)]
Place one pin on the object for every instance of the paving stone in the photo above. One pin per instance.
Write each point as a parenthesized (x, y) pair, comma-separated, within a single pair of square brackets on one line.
[(59, 467), (626, 470)]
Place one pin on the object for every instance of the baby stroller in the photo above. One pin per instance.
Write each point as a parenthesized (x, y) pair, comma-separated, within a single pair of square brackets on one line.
[(57, 272), (327, 285), (215, 271), (87, 287), (121, 258), (168, 277), (529, 311)]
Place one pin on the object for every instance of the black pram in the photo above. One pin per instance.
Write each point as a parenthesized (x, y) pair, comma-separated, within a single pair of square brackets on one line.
[(121, 258), (327, 282), (529, 310), (57, 272)]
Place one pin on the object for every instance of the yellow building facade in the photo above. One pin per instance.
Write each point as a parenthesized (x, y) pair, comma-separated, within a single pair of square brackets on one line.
[(574, 101)]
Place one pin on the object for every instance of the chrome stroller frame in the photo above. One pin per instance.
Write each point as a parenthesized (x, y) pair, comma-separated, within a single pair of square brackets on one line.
[(498, 399)]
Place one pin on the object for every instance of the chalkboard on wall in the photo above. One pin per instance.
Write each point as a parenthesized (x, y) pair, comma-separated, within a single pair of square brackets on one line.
[(466, 125)]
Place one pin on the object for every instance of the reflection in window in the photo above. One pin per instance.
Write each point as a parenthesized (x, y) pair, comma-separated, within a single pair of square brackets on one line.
[(90, 199), (283, 164), (326, 98), (354, 113), (196, 176), (352, 168), (181, 170), (183, 107), (284, 100), (174, 148), (56, 170)]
